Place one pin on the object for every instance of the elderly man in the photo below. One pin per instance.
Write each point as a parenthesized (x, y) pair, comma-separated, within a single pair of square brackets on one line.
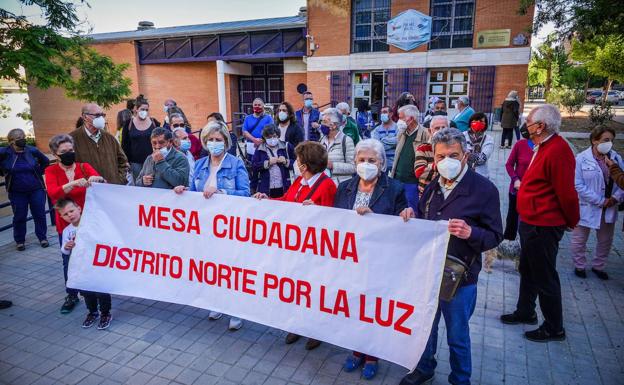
[(182, 140), (166, 167), (423, 165), (471, 205), (308, 118), (410, 135), (547, 204), (349, 126), (252, 131), (464, 113), (94, 145)]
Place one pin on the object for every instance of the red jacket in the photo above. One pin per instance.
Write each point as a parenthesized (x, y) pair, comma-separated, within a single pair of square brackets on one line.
[(323, 196), (547, 196), (55, 178)]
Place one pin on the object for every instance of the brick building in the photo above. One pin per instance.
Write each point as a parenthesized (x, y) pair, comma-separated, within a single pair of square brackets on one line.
[(338, 49)]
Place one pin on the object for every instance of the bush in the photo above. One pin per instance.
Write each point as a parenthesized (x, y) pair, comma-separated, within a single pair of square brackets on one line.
[(569, 99), (601, 113)]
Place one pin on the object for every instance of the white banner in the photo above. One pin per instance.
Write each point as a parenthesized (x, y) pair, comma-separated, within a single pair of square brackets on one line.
[(368, 283)]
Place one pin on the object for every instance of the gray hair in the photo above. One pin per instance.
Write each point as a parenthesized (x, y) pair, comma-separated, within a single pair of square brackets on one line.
[(57, 140), (343, 106), (465, 100), (410, 110), (256, 99), (159, 131), (436, 118), (14, 134), (449, 136), (176, 115), (374, 145), (334, 115), (213, 127), (547, 114)]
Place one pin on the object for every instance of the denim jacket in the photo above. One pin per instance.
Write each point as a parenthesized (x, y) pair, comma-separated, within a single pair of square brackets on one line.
[(232, 177)]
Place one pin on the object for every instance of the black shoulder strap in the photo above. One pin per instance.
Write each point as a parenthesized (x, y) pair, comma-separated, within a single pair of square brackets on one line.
[(257, 122), (344, 147), (320, 180)]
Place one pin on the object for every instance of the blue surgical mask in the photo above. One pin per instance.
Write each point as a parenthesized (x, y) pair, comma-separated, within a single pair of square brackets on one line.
[(185, 145), (164, 151), (215, 148), (324, 129), (308, 103), (384, 118)]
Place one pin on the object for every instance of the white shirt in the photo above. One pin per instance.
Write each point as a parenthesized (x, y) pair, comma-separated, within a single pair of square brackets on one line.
[(94, 137), (69, 233)]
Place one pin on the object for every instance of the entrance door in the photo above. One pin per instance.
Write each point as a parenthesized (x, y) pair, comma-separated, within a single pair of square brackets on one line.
[(369, 87), (266, 82)]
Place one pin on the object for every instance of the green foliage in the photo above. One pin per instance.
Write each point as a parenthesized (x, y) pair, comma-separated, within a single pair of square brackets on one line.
[(571, 100), (29, 140), (603, 56), (54, 55), (601, 113), (575, 76), (5, 109), (546, 61)]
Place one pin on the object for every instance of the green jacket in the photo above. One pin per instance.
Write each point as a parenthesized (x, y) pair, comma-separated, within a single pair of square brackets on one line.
[(351, 130)]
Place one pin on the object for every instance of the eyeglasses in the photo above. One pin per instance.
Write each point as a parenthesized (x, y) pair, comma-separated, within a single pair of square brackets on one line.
[(178, 125), (96, 115)]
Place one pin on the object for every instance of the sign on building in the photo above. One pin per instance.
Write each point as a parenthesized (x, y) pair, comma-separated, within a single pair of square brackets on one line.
[(409, 29), (493, 38)]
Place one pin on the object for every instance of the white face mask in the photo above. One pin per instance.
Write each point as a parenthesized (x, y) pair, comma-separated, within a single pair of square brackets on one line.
[(604, 147), (272, 142), (165, 108), (164, 151), (282, 116), (401, 124), (99, 122), (142, 114), (449, 168), (367, 171)]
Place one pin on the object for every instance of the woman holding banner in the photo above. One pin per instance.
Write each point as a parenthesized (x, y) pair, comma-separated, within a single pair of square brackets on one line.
[(312, 187), (218, 173), (370, 191)]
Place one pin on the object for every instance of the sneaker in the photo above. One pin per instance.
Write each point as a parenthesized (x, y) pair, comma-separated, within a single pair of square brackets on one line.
[(312, 344), (213, 315), (352, 362), (600, 274), (20, 247), (4, 304), (44, 243), (370, 370), (69, 304), (291, 338), (105, 321), (90, 320), (235, 323), (416, 378), (580, 273), (515, 319), (542, 335)]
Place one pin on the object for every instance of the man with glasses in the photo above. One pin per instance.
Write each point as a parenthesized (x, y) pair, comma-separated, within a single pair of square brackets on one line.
[(308, 118), (94, 145)]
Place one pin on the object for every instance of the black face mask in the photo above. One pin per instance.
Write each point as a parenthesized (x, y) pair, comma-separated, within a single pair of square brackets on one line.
[(68, 158), (21, 143), (440, 112), (524, 131)]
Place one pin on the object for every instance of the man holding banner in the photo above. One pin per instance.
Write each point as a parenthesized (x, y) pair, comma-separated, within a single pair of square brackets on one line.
[(471, 205)]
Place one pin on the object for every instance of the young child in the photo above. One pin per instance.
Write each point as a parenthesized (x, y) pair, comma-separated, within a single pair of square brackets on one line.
[(70, 212)]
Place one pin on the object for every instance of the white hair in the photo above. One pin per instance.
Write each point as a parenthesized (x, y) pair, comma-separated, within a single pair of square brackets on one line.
[(410, 110), (465, 100), (449, 136), (441, 118), (334, 115), (256, 99), (547, 114), (374, 145), (343, 106)]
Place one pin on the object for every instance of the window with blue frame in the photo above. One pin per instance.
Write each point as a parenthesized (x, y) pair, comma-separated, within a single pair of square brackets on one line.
[(369, 23), (453, 22)]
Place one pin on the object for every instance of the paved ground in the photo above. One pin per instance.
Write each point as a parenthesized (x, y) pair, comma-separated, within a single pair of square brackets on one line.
[(158, 343)]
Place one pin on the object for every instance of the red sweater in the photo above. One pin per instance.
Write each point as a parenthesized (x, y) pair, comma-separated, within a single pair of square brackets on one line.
[(547, 196), (55, 178), (323, 196)]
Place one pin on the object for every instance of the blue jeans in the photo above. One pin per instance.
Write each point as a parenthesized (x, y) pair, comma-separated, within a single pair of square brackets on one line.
[(457, 315), (411, 194), (65, 266), (19, 203)]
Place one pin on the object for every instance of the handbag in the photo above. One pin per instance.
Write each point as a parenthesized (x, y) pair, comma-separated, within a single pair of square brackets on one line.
[(455, 270)]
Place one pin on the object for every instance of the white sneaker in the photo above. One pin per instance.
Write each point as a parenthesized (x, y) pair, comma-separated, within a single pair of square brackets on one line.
[(214, 315), (235, 323)]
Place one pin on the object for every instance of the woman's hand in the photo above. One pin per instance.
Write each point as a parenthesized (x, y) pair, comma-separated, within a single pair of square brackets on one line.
[(459, 228), (96, 179), (82, 182), (608, 161), (209, 191), (260, 196), (273, 161), (407, 213), (148, 180), (363, 210), (282, 160), (180, 189), (517, 184), (308, 202)]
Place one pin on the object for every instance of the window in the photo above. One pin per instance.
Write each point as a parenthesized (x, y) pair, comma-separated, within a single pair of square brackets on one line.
[(368, 25), (453, 22), (448, 85)]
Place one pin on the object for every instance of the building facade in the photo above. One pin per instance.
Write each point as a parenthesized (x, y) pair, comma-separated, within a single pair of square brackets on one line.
[(337, 49)]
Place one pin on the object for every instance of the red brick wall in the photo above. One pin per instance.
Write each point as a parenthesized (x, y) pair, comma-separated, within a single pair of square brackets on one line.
[(501, 14), (319, 84), (291, 80), (511, 77), (330, 27)]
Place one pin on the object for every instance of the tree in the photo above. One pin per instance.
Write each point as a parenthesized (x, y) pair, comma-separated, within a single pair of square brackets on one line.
[(603, 56), (549, 57), (56, 55)]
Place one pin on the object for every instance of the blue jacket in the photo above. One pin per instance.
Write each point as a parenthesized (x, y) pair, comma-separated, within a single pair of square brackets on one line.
[(260, 164), (462, 118), (315, 116), (232, 177), (475, 200), (33, 156), (388, 196)]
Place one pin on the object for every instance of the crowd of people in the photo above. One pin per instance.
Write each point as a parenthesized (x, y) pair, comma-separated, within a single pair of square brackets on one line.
[(400, 162)]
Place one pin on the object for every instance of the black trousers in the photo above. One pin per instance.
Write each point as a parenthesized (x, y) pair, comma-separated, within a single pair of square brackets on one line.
[(511, 224), (507, 136), (92, 299), (538, 274)]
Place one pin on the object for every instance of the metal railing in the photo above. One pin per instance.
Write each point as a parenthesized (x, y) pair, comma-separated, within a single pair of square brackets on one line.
[(50, 210)]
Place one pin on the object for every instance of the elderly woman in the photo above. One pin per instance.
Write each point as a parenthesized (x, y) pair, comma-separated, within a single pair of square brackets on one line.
[(68, 179), (370, 191), (480, 144), (273, 161), (349, 125), (22, 166), (339, 146), (599, 197), (218, 173), (510, 117), (312, 186)]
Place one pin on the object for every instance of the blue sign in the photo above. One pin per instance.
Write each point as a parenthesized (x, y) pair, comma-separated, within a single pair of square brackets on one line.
[(409, 29)]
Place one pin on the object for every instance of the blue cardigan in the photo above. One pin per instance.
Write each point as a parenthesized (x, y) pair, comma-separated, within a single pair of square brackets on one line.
[(33, 156), (388, 196), (260, 164)]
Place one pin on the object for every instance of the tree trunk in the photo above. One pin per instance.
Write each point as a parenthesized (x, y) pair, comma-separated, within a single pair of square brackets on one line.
[(606, 92), (548, 80)]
